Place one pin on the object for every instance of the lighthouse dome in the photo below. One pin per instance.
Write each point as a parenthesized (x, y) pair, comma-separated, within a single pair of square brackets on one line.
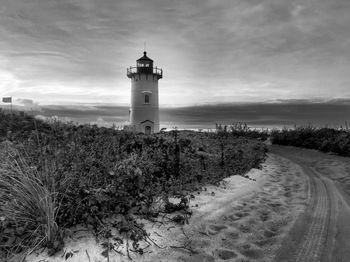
[(144, 58)]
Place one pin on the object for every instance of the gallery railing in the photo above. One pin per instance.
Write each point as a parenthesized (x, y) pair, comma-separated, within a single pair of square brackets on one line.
[(131, 71)]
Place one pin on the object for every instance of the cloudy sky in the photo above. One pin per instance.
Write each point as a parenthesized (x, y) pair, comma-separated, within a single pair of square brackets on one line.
[(75, 52)]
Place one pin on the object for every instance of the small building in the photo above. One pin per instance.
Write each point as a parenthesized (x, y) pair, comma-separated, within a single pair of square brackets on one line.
[(144, 110)]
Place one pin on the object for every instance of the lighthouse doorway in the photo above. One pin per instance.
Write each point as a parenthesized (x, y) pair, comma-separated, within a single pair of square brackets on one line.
[(148, 130)]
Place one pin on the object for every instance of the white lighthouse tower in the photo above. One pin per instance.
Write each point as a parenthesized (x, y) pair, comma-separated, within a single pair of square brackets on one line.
[(144, 111)]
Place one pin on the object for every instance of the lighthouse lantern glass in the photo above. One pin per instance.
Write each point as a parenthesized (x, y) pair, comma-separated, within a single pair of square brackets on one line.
[(143, 64)]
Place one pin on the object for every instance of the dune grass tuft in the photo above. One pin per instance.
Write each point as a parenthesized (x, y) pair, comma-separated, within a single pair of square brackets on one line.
[(28, 204)]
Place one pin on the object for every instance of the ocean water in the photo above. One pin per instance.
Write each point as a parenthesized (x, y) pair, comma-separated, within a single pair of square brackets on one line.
[(259, 116)]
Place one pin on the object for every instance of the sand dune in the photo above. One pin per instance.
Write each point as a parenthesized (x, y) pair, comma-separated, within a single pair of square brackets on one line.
[(239, 220)]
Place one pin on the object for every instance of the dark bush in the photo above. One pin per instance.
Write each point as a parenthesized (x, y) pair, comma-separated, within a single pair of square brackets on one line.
[(323, 139), (96, 172)]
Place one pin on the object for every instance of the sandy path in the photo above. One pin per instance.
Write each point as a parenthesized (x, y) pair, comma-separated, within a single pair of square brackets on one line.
[(322, 232), (244, 220), (316, 236)]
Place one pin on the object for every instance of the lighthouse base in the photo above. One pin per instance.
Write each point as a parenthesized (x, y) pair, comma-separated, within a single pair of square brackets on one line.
[(147, 127)]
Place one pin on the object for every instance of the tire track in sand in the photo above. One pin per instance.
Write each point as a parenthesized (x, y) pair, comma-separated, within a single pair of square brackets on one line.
[(312, 247)]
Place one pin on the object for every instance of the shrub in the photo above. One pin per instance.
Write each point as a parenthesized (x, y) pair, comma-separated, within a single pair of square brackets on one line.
[(323, 139), (83, 174)]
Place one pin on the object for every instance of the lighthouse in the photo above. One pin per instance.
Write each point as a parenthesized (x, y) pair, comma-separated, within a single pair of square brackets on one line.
[(144, 110)]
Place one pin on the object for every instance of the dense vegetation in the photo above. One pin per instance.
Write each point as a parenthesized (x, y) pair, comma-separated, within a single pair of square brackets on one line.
[(56, 175), (240, 129), (323, 139)]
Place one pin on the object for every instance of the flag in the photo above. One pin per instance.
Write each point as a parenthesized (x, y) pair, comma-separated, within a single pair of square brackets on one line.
[(7, 99)]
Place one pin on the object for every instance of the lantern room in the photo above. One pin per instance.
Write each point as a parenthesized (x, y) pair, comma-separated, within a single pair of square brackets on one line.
[(144, 64)]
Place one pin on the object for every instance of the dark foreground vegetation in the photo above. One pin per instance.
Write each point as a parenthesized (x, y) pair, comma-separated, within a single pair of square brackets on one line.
[(56, 175), (323, 139)]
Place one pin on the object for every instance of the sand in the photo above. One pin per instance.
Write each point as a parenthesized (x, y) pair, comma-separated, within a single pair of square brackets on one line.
[(322, 232), (239, 220)]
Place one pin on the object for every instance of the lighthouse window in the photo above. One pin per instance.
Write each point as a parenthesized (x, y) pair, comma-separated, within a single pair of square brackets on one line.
[(146, 99)]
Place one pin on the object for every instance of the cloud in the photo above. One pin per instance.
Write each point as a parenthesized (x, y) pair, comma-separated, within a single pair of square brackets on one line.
[(34, 54), (102, 115), (272, 114), (27, 102), (260, 114), (73, 51)]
